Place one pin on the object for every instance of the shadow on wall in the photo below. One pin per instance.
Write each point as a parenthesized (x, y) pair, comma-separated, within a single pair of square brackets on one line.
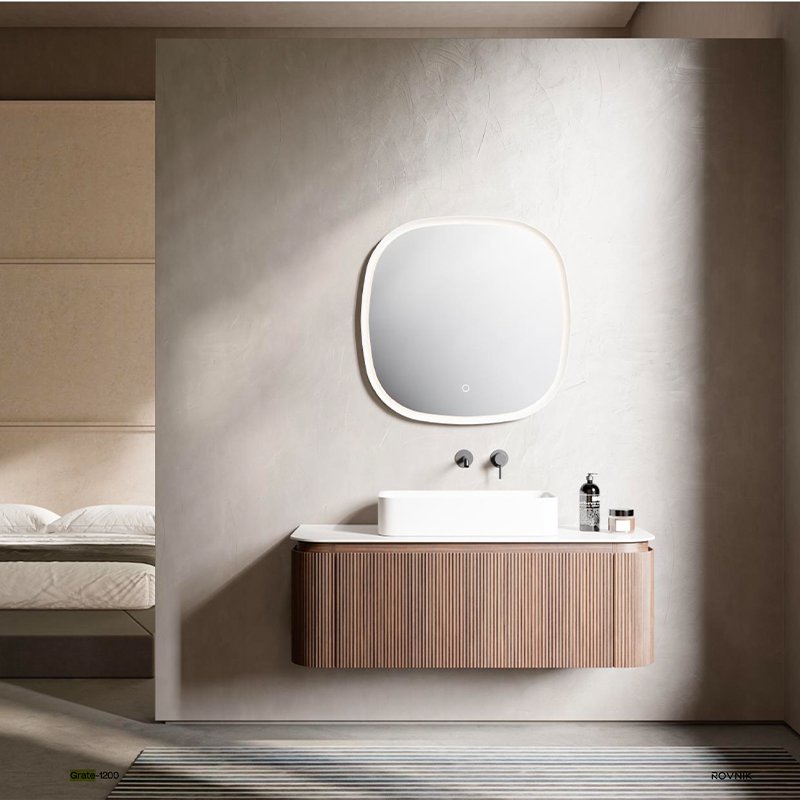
[(240, 618), (245, 610), (260, 176), (236, 613), (739, 486)]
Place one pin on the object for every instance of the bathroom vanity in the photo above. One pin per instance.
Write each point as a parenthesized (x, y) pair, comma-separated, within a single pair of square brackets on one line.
[(569, 599), (468, 579)]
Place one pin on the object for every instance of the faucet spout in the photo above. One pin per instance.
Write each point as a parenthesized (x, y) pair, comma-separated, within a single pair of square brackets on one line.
[(464, 458)]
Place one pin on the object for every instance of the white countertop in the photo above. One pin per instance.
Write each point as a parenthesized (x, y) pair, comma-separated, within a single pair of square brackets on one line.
[(368, 534)]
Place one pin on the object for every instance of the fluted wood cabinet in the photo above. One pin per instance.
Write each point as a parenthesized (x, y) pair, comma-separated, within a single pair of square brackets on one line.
[(475, 606)]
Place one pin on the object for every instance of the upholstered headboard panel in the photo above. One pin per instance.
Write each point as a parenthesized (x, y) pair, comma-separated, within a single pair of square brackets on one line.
[(77, 267)]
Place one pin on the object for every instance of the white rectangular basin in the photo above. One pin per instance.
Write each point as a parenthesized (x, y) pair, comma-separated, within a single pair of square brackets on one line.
[(439, 515)]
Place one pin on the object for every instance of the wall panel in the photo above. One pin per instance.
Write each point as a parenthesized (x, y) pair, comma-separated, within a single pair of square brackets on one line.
[(67, 468), (78, 343), (77, 181)]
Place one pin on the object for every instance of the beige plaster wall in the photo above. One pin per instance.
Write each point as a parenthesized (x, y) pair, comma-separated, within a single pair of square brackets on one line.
[(281, 164), (77, 281)]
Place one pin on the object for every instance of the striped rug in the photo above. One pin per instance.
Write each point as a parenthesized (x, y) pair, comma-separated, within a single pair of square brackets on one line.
[(483, 773)]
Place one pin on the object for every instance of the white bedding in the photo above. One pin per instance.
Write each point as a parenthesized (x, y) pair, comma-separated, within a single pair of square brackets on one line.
[(76, 584)]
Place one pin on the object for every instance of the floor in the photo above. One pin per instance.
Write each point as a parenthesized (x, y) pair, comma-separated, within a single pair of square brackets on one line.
[(49, 727)]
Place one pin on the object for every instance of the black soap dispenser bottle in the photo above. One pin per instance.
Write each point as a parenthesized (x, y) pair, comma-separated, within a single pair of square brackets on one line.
[(589, 504)]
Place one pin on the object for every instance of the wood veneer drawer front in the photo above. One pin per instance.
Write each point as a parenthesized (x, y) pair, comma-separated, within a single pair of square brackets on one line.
[(472, 609)]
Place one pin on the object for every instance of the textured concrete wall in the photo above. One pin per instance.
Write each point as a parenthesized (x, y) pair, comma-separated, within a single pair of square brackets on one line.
[(281, 164)]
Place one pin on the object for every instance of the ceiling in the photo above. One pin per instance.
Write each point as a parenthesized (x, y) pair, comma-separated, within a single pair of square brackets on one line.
[(364, 14)]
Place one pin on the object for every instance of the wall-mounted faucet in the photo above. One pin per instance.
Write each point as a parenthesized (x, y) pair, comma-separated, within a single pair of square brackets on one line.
[(464, 458), (499, 459)]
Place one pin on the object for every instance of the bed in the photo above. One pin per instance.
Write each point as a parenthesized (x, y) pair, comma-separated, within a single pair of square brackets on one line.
[(93, 572), (77, 595)]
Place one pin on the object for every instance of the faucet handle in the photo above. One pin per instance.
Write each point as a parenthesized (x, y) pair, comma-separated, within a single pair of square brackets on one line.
[(499, 459), (464, 458)]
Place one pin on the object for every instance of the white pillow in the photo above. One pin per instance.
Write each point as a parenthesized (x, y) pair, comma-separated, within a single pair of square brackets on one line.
[(18, 518), (107, 519)]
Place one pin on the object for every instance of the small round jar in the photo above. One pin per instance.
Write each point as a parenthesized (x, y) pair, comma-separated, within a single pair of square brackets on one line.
[(621, 520)]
